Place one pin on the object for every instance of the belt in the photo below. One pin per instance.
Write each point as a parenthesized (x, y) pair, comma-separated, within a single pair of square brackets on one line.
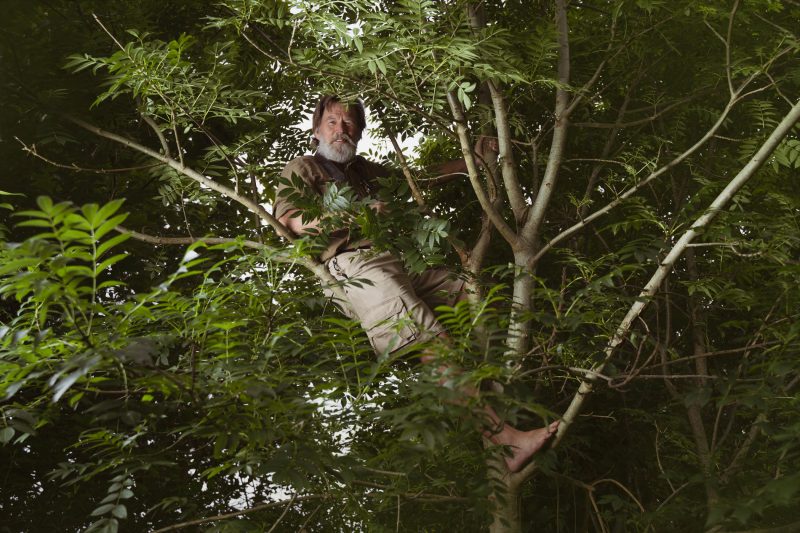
[(333, 261)]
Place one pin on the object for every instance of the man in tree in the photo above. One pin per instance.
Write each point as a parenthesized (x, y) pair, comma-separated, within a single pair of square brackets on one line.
[(394, 307)]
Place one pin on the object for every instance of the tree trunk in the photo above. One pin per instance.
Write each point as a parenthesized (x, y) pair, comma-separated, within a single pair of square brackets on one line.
[(506, 514)]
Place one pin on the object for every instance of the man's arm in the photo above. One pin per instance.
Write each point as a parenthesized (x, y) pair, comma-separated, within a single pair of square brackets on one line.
[(485, 148), (292, 220)]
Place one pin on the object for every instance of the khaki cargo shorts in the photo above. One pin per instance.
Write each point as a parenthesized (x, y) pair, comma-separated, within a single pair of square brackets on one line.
[(394, 307)]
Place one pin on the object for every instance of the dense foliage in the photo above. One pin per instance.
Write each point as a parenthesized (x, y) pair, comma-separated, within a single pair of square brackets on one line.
[(168, 359)]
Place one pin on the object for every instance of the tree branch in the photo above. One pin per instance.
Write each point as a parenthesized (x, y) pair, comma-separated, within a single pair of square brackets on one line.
[(461, 128), (747, 172), (283, 514), (160, 134), (311, 264), (33, 151), (630, 192), (190, 173), (412, 184), (255, 509), (516, 197), (619, 124), (153, 239), (532, 229)]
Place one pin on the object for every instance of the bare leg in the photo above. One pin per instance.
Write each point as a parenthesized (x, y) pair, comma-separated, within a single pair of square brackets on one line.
[(521, 444)]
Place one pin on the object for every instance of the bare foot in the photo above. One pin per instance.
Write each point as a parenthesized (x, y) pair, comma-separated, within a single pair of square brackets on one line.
[(523, 444)]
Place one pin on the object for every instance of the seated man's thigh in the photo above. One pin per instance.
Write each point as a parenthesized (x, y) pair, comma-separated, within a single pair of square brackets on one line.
[(438, 286), (384, 300)]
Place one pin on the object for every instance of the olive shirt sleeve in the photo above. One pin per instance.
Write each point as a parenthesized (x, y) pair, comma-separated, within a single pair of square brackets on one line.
[(361, 174), (305, 169)]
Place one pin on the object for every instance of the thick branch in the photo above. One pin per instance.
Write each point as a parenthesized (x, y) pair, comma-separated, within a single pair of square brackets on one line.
[(190, 173)]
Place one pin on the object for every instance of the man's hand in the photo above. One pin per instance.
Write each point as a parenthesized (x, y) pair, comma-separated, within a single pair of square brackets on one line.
[(379, 207), (487, 149)]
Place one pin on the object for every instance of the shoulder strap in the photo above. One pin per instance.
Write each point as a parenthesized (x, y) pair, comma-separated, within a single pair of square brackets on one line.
[(334, 172)]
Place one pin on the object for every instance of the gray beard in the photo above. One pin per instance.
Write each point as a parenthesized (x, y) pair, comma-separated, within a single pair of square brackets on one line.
[(338, 153)]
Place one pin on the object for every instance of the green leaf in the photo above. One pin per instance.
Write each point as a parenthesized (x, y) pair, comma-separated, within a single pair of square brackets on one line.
[(109, 225), (105, 212), (35, 224), (6, 434), (110, 261), (103, 509), (112, 242)]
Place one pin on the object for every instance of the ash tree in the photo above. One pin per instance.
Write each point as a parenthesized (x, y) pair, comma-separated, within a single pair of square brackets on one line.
[(168, 358)]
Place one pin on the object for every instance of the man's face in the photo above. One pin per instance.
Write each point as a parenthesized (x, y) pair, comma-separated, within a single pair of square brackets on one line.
[(338, 133)]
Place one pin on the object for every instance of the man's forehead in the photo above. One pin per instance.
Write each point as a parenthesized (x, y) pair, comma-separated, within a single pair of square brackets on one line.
[(338, 108)]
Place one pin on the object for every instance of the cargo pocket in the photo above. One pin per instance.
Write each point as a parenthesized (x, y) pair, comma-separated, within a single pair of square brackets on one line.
[(389, 326)]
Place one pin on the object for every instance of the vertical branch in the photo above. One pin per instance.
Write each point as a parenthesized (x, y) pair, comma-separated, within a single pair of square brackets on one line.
[(527, 244), (462, 252), (412, 183), (481, 246), (728, 46), (516, 197), (532, 228), (472, 169), (610, 141), (477, 21)]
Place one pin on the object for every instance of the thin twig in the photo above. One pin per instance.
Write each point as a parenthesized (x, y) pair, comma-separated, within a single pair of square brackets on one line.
[(153, 239), (623, 487), (283, 514), (160, 134), (33, 151), (260, 507)]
